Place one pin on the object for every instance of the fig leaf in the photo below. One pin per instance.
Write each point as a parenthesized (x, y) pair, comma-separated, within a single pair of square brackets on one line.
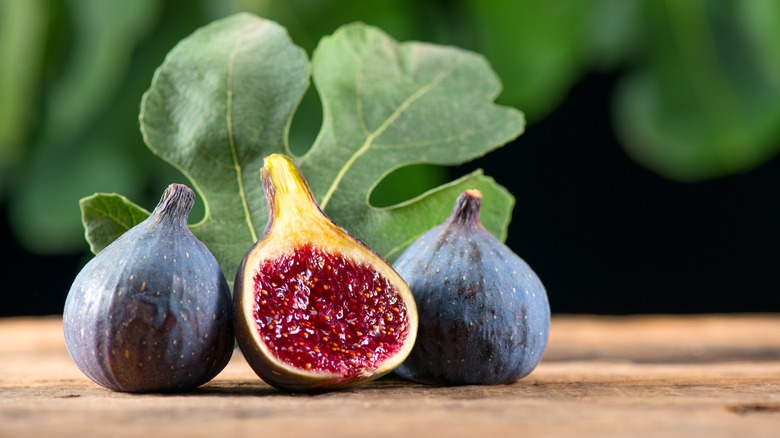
[(224, 98)]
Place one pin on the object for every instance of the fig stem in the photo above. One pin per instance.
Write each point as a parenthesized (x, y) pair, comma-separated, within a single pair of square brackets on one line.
[(175, 203), (285, 188), (466, 209)]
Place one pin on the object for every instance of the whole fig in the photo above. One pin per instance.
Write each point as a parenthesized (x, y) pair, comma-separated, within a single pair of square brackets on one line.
[(151, 312), (315, 308), (484, 314)]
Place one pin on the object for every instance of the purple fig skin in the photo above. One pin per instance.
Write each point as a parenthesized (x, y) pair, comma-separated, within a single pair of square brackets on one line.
[(484, 314), (152, 312)]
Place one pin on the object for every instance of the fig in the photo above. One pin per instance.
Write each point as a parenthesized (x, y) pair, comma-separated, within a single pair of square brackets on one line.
[(316, 309), (152, 311), (484, 313)]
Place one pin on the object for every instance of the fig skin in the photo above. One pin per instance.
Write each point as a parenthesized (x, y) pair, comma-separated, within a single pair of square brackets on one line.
[(152, 312), (297, 228), (484, 313)]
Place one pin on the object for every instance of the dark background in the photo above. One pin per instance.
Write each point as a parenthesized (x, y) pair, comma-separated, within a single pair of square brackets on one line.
[(608, 236), (605, 235)]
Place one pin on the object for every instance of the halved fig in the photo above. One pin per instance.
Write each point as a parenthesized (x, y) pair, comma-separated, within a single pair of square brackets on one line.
[(315, 308)]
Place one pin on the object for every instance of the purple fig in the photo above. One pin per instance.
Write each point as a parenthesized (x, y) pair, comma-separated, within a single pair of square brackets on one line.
[(151, 312), (484, 314)]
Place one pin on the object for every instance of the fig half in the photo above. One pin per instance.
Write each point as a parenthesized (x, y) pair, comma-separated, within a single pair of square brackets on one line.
[(315, 308)]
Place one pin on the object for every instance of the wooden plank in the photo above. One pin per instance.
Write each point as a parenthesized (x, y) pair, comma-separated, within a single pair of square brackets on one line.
[(636, 376)]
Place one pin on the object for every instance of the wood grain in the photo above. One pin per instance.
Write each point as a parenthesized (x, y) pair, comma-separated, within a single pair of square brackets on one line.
[(632, 376)]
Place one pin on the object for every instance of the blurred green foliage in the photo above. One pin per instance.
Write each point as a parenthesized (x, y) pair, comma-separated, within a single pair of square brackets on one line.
[(699, 96)]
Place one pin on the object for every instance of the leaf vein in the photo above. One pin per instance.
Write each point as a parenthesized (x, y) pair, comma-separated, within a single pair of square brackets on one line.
[(462, 136), (232, 144), (422, 91)]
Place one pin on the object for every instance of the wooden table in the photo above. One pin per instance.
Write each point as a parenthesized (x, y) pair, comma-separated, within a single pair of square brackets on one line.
[(635, 376)]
